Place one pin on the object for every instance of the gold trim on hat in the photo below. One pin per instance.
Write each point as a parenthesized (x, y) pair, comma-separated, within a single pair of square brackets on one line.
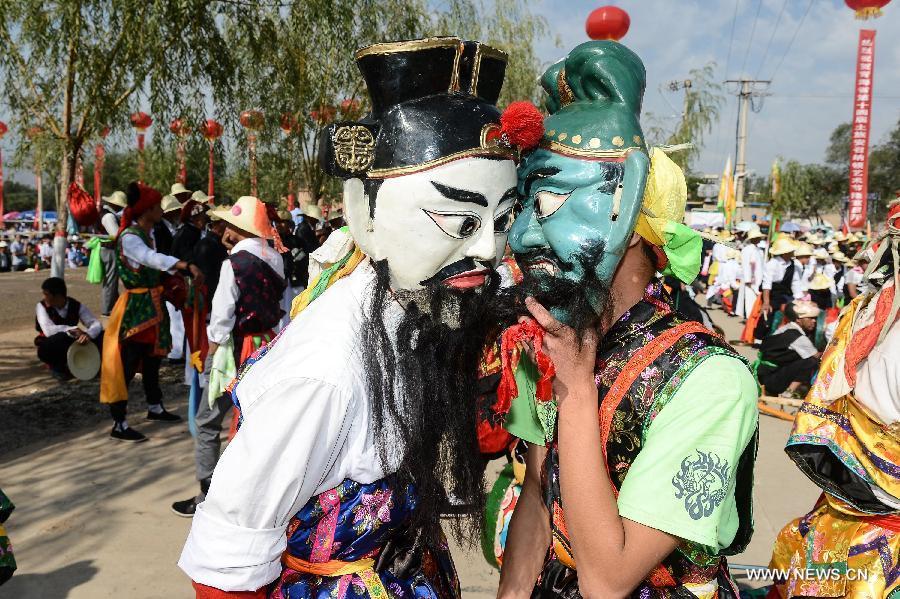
[(409, 46), (386, 173), (482, 51), (555, 146), (566, 96)]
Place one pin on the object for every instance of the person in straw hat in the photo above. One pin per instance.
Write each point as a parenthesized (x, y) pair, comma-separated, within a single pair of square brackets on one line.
[(245, 312), (788, 358), (137, 336), (602, 214), (779, 275), (57, 317), (359, 420), (844, 440), (164, 236), (752, 263), (110, 213), (805, 264)]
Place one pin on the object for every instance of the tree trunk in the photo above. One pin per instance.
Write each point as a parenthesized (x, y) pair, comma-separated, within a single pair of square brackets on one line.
[(66, 176)]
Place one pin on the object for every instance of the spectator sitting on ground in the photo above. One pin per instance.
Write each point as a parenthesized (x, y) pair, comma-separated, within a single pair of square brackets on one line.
[(788, 358), (58, 316), (45, 253)]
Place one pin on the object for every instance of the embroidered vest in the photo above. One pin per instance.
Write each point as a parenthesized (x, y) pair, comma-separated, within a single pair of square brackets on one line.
[(143, 310), (73, 307), (258, 309), (355, 541), (641, 363)]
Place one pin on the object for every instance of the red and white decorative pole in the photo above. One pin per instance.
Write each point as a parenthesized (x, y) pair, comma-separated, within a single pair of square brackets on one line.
[(252, 121), (181, 130), (141, 121), (211, 131)]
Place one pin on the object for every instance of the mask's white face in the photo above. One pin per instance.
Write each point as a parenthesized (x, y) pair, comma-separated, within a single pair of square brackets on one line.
[(447, 224)]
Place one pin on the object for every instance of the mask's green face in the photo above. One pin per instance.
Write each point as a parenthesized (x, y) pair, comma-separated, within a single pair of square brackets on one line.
[(571, 208)]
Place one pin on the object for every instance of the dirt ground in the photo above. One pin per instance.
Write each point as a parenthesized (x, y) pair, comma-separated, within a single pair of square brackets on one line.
[(92, 518)]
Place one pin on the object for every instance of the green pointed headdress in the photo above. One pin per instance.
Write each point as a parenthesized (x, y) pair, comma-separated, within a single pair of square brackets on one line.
[(598, 77)]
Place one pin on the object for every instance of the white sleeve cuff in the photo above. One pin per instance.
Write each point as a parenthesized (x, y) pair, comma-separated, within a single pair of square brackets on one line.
[(246, 559)]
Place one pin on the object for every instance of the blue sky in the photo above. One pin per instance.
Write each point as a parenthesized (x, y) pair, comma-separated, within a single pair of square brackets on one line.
[(673, 36)]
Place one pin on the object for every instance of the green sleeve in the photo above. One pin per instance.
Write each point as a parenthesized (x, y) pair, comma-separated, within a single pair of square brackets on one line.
[(682, 481)]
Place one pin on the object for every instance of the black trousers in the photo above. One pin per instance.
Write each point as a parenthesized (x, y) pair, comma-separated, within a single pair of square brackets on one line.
[(135, 356), (777, 381), (52, 350)]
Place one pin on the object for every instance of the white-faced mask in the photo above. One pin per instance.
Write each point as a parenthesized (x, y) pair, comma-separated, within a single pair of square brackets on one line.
[(447, 223)]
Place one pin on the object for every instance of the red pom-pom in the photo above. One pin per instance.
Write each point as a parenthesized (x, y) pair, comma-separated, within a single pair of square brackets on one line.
[(522, 124)]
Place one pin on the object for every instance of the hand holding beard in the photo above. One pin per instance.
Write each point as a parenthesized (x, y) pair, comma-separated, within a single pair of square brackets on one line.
[(573, 355)]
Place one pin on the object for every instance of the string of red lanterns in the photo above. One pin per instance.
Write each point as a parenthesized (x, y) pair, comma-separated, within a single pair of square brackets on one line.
[(211, 131)]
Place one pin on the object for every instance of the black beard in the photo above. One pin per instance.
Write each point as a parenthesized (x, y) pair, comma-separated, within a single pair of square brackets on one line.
[(439, 343), (587, 303)]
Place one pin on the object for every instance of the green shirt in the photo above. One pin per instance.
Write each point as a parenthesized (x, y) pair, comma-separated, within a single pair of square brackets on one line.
[(682, 481)]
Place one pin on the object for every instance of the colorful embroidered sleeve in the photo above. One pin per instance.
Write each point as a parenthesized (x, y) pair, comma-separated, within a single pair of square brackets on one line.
[(683, 480)]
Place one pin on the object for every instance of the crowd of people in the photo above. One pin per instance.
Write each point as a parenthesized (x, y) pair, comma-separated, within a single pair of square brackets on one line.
[(29, 252), (505, 283)]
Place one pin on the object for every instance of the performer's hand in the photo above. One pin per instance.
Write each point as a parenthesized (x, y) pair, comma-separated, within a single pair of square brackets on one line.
[(766, 308), (196, 273), (82, 338), (574, 361)]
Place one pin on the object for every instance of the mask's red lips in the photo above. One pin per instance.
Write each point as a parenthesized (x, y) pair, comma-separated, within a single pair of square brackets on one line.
[(468, 279)]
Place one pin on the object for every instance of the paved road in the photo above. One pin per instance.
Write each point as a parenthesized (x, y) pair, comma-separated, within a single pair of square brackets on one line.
[(93, 517)]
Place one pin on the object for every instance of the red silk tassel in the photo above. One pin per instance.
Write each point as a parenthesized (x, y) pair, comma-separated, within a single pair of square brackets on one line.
[(512, 343), (182, 167)]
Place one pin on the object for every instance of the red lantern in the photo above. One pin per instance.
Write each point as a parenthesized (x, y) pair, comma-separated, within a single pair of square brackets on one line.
[(211, 131), (323, 114), (179, 128), (141, 121), (288, 123), (3, 129), (252, 119), (867, 9), (607, 23), (104, 133)]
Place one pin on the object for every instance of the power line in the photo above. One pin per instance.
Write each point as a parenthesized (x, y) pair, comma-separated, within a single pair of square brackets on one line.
[(752, 32), (771, 37), (731, 41), (788, 49)]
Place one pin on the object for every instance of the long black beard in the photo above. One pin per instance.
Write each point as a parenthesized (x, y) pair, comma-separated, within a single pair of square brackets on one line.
[(587, 303), (435, 364)]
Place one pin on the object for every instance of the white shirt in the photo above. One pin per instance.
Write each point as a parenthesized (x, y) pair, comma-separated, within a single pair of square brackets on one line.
[(94, 328), (45, 251), (752, 265), (110, 223), (720, 253), (138, 253), (802, 276), (729, 274), (221, 317), (307, 427), (802, 345), (774, 271)]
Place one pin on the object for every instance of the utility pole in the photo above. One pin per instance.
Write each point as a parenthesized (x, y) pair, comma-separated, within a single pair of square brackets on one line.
[(749, 89)]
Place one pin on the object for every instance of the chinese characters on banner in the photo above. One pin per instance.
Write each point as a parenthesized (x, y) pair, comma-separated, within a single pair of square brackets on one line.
[(859, 135)]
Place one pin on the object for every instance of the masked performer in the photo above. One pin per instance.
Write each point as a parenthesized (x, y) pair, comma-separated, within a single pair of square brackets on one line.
[(665, 476), (845, 440), (359, 419)]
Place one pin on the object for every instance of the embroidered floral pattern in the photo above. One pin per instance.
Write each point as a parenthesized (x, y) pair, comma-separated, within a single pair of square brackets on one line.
[(373, 511)]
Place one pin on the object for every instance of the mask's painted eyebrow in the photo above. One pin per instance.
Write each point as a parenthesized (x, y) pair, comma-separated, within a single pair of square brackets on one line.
[(460, 195), (511, 194), (538, 173)]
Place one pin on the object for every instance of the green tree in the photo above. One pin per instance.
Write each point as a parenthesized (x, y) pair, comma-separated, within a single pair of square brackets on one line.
[(808, 190), (884, 171), (72, 68), (703, 100)]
